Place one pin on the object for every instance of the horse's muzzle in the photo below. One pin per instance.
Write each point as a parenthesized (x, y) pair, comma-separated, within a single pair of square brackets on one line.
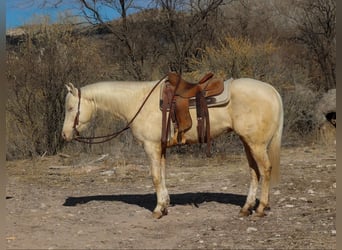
[(67, 136)]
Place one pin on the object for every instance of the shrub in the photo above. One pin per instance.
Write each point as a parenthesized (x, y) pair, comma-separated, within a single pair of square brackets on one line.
[(48, 57), (238, 57), (235, 57), (299, 113)]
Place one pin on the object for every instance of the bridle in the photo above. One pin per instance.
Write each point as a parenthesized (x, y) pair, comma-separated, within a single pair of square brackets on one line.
[(77, 117), (89, 140), (105, 138)]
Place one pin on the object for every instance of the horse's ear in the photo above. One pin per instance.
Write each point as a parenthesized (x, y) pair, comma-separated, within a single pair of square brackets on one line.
[(71, 88)]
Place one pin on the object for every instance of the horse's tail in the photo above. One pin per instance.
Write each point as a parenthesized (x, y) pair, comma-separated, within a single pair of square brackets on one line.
[(274, 146)]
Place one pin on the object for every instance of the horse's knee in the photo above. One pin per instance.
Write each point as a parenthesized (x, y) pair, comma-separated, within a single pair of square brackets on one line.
[(156, 180), (266, 174)]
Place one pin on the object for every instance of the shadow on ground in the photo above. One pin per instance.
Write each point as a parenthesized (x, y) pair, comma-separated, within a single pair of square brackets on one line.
[(148, 201)]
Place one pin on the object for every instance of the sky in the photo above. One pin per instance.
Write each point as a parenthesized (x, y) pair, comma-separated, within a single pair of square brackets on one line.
[(20, 15)]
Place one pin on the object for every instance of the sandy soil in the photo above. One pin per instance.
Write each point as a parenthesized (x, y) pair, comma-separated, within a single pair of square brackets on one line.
[(105, 202)]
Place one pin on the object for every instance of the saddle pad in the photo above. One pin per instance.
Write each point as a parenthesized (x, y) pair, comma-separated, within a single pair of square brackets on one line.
[(213, 101)]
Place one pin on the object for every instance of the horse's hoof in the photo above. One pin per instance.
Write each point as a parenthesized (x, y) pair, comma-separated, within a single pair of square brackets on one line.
[(244, 213), (259, 214), (159, 214), (165, 211)]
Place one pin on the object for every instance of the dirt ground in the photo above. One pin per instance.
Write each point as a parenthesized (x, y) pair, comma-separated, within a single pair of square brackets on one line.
[(105, 202)]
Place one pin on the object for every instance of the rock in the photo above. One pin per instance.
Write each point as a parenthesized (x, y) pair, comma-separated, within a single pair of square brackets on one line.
[(108, 172), (277, 192), (326, 105), (310, 191), (251, 229)]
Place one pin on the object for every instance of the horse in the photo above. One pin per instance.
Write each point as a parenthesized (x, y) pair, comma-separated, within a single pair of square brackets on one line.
[(254, 112)]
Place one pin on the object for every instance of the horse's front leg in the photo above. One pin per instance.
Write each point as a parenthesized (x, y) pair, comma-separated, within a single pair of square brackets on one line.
[(153, 150), (163, 198)]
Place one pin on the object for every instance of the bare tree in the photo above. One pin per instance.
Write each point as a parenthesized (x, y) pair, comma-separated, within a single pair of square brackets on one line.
[(317, 31), (103, 12), (121, 30), (188, 24)]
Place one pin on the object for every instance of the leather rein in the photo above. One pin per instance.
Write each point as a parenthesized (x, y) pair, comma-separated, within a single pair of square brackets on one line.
[(105, 138)]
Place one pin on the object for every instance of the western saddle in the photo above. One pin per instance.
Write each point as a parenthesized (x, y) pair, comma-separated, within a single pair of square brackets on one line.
[(176, 96)]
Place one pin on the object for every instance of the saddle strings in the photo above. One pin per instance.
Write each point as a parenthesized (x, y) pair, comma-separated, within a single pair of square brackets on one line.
[(88, 140)]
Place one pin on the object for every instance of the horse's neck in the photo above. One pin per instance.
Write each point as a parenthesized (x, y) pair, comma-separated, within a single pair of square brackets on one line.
[(122, 99)]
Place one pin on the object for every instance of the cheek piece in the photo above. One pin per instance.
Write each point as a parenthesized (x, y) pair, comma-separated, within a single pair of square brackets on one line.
[(77, 117)]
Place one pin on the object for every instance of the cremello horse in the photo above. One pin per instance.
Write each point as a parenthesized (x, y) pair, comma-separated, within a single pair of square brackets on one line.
[(254, 112)]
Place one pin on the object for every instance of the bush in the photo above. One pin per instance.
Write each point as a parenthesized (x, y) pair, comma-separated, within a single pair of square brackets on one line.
[(238, 57), (48, 57), (299, 113)]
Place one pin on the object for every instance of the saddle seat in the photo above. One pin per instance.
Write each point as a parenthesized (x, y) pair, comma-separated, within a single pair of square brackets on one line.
[(187, 89), (176, 99)]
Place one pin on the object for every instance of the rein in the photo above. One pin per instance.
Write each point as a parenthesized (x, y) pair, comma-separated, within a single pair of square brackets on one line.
[(108, 137)]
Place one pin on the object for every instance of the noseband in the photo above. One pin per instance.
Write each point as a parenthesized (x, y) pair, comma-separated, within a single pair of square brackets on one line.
[(77, 117)]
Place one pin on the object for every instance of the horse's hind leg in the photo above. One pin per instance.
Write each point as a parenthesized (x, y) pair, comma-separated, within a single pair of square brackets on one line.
[(255, 176), (264, 165)]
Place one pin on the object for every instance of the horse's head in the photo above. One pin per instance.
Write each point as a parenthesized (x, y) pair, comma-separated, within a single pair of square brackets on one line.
[(78, 113)]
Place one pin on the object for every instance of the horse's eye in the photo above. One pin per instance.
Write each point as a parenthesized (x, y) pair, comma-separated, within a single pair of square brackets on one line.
[(70, 109)]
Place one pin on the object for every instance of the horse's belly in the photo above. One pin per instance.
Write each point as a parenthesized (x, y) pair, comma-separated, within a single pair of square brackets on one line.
[(219, 123)]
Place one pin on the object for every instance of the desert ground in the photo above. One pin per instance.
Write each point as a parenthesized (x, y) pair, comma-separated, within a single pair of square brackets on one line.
[(85, 201)]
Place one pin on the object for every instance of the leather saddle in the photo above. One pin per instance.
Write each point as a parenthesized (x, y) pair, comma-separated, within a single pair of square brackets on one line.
[(176, 96), (186, 89)]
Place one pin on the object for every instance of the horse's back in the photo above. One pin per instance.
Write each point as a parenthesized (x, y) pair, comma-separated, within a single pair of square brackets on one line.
[(255, 87), (251, 91)]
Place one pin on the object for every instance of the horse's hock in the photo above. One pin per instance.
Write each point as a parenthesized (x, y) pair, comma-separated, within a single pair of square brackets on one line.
[(326, 117)]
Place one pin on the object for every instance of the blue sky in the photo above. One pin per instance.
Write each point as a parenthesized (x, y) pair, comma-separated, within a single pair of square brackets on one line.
[(20, 15), (17, 16)]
